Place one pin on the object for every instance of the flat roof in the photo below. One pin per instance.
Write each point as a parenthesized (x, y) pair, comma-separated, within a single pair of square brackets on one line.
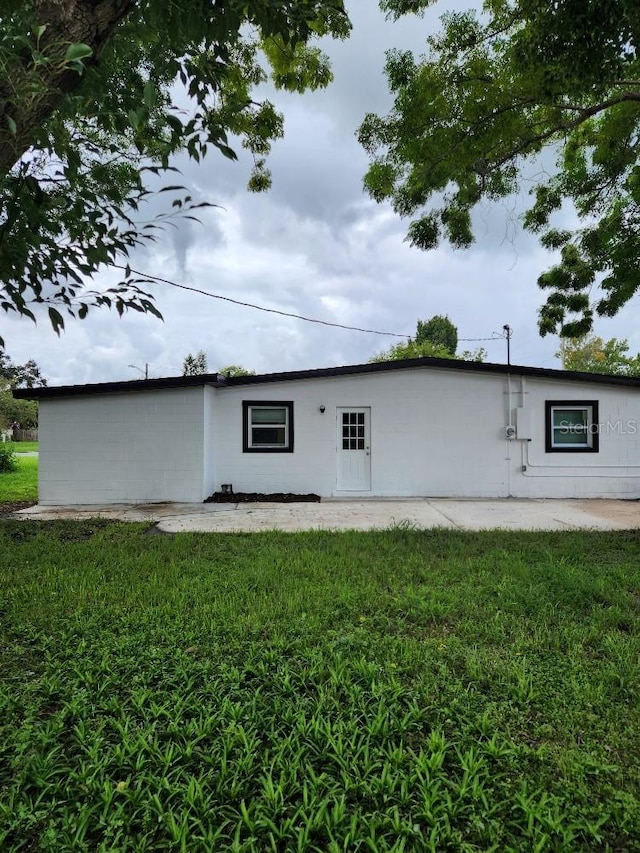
[(219, 381)]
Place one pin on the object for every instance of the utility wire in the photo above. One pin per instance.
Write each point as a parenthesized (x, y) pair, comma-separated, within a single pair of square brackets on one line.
[(260, 307), (492, 338), (276, 311)]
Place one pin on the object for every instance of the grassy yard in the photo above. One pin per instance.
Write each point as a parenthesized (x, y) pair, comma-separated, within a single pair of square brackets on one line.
[(388, 691), (25, 446), (20, 485)]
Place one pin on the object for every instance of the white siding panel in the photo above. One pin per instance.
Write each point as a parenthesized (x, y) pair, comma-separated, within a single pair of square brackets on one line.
[(136, 447), (435, 433), (613, 472), (432, 433), (208, 468)]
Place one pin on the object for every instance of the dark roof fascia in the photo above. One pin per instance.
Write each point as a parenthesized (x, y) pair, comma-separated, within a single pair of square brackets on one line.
[(218, 381), (117, 387)]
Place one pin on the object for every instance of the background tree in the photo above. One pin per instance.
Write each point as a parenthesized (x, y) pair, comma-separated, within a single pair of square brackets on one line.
[(23, 412), (592, 354), (435, 338), (27, 375), (438, 331), (491, 93), (236, 370), (195, 365), (87, 119)]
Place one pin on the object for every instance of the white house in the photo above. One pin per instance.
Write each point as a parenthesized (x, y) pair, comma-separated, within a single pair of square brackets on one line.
[(421, 427)]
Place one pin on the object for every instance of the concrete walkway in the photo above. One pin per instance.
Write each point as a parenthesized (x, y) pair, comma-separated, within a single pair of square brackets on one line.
[(510, 514)]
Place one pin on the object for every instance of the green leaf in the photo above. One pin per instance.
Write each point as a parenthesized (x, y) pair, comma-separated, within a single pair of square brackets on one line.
[(77, 52), (69, 207), (134, 119), (150, 94), (472, 116), (57, 321)]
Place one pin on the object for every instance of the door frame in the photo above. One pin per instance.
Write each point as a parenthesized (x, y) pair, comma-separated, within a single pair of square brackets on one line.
[(364, 484)]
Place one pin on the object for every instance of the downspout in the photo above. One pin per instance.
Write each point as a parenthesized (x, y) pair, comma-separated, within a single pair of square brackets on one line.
[(509, 432), (524, 445)]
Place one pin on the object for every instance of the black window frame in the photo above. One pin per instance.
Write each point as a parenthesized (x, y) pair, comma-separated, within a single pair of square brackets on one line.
[(594, 430), (247, 405)]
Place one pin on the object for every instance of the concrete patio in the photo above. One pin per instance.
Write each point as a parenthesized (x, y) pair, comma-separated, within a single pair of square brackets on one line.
[(509, 514)]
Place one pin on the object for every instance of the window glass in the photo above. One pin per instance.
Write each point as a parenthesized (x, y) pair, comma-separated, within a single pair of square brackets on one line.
[(268, 416), (572, 426), (353, 431), (268, 437), (267, 427)]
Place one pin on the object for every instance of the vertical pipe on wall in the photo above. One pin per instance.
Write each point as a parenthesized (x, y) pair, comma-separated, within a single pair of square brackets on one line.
[(509, 424), (524, 445)]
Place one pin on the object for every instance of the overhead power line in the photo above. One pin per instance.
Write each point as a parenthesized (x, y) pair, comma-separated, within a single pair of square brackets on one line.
[(492, 338), (277, 311), (261, 307)]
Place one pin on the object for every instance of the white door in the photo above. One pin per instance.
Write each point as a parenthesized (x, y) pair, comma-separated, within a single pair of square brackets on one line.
[(354, 450)]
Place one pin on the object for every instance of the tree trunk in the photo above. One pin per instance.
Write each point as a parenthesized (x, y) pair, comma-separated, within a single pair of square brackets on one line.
[(24, 107)]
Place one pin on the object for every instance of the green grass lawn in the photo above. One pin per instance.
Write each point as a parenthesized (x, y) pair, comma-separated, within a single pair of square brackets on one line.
[(386, 691), (25, 446), (21, 484)]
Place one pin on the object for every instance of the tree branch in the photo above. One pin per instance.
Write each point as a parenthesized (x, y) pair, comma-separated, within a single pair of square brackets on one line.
[(90, 22), (585, 114)]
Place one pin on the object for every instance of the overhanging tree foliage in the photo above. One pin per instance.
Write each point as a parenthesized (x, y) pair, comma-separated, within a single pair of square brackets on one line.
[(87, 115), (495, 90)]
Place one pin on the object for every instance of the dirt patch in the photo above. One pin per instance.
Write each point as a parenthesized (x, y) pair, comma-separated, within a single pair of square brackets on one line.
[(255, 497), (7, 508), (154, 530), (625, 512)]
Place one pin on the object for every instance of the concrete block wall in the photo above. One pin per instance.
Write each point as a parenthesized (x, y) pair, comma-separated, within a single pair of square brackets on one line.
[(433, 432), (612, 472), (126, 447)]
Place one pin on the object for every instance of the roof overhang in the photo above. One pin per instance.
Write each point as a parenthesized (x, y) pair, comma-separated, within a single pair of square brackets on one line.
[(216, 380)]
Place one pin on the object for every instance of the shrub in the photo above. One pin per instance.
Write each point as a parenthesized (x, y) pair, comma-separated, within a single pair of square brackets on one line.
[(8, 460)]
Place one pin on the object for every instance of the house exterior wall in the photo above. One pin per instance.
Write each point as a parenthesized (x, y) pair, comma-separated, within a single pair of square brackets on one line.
[(435, 433), (432, 433), (208, 436), (612, 472), (125, 447)]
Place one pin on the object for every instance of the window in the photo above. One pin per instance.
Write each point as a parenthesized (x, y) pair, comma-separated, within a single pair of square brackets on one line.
[(572, 426), (267, 427), (353, 430)]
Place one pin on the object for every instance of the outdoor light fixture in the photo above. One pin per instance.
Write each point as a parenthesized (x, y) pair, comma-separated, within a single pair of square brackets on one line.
[(322, 409)]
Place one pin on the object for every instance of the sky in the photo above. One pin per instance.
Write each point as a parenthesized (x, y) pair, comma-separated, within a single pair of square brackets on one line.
[(315, 245)]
